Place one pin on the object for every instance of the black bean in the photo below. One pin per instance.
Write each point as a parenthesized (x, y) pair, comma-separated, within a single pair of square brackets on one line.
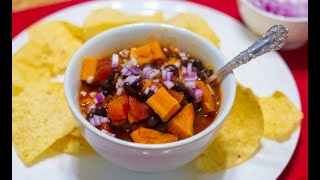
[(129, 90), (106, 85), (179, 86), (152, 122), (196, 105), (173, 68), (137, 85), (112, 75), (184, 63), (89, 115), (100, 111), (104, 92), (150, 93), (162, 127), (198, 64), (142, 97), (127, 127)]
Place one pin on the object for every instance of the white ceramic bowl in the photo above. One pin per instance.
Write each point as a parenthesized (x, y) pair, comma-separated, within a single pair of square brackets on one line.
[(260, 21), (147, 157)]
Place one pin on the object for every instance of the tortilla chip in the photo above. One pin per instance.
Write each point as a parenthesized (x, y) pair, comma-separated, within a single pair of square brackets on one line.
[(71, 144), (196, 24), (76, 133), (281, 117), (239, 137), (34, 54), (102, 19), (61, 43), (23, 74), (40, 116)]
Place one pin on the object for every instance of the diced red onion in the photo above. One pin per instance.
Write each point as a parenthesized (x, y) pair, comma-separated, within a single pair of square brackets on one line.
[(197, 93), (124, 70), (287, 8), (183, 55), (105, 120), (189, 67), (99, 97), (156, 80), (89, 108), (169, 76), (183, 69), (128, 73), (119, 82), (189, 83), (164, 74), (168, 84), (135, 70), (119, 91), (146, 91), (92, 94), (115, 60), (98, 120), (145, 69), (132, 79), (178, 64), (154, 88)]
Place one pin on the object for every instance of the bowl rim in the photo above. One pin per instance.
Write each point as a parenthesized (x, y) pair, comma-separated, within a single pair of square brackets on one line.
[(76, 110), (273, 16)]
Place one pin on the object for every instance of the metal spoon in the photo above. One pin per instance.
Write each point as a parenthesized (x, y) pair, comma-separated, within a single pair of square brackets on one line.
[(274, 39)]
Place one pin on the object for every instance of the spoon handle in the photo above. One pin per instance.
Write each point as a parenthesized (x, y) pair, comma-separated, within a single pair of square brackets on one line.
[(274, 39)]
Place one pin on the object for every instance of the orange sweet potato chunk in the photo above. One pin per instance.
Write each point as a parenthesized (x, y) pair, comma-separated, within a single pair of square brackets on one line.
[(150, 136), (138, 110), (207, 102), (89, 65), (181, 125), (119, 108), (177, 95), (163, 104), (148, 53)]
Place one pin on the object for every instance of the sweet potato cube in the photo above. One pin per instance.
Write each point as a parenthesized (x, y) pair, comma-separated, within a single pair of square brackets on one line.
[(207, 102), (138, 110), (163, 104), (150, 136), (177, 95), (89, 65), (181, 125), (118, 109), (148, 53)]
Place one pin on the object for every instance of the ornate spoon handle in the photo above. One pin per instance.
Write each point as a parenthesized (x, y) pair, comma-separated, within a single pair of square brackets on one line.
[(274, 39)]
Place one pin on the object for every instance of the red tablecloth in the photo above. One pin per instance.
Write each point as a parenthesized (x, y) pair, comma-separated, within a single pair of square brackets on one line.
[(297, 60)]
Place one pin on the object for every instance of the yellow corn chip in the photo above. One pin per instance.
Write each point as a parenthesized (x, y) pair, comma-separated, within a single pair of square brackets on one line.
[(23, 74), (105, 18), (71, 144), (60, 41), (281, 117), (239, 137), (76, 133), (196, 24), (40, 116)]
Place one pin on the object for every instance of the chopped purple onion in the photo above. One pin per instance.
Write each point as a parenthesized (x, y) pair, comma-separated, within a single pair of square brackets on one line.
[(287, 8), (115, 60), (132, 79), (168, 84)]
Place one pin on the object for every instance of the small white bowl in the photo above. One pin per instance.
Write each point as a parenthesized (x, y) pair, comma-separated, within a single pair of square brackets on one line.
[(147, 157), (260, 21)]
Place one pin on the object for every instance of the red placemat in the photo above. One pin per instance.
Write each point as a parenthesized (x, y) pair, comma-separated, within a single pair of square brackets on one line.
[(297, 61)]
